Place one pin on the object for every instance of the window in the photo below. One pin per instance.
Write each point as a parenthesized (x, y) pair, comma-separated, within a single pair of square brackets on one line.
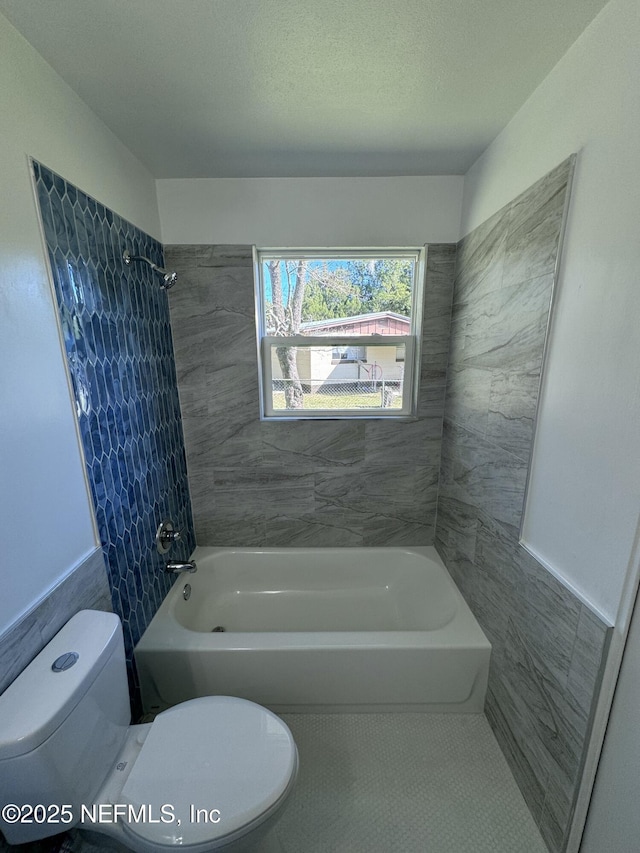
[(346, 355), (339, 332)]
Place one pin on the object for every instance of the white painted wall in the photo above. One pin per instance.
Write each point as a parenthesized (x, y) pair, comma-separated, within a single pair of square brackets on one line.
[(585, 486), (44, 505), (314, 212)]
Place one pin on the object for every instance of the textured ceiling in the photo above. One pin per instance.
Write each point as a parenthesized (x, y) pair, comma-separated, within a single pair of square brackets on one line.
[(219, 88)]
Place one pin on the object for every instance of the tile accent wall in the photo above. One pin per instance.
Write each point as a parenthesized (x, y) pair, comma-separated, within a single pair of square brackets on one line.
[(548, 647), (115, 327), (307, 483)]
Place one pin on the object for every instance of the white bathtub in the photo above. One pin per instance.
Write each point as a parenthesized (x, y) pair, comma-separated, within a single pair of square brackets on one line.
[(323, 629)]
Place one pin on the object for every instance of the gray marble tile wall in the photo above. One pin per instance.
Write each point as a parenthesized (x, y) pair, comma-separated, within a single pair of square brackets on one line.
[(308, 483), (548, 647)]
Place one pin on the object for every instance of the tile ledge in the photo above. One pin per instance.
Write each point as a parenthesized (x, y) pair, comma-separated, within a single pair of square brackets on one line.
[(606, 620), (35, 605)]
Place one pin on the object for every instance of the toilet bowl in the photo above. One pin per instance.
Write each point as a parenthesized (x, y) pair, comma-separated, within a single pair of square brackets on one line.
[(209, 774), (169, 795)]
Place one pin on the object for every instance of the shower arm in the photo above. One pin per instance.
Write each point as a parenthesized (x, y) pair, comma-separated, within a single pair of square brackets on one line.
[(169, 278)]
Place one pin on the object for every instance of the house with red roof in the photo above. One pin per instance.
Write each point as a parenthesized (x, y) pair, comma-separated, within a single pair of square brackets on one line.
[(335, 365)]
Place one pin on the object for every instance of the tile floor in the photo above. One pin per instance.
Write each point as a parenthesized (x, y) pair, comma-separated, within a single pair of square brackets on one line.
[(398, 783), (402, 783)]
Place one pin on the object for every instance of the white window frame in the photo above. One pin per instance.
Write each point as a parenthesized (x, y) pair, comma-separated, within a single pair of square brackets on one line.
[(411, 342)]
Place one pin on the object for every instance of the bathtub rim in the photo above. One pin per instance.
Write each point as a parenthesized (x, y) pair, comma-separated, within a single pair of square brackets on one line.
[(463, 630)]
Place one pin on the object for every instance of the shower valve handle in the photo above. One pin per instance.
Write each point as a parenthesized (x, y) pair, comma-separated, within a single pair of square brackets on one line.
[(166, 536)]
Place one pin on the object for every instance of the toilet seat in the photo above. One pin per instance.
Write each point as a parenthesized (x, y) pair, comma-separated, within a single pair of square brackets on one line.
[(213, 753)]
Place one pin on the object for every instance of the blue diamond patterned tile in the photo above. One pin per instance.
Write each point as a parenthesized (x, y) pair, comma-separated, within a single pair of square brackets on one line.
[(81, 231), (53, 181), (91, 291), (60, 240), (45, 206), (82, 200), (94, 235), (69, 224), (117, 337), (96, 481)]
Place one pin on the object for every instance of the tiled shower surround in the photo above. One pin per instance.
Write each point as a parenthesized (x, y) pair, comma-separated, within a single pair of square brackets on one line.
[(548, 647), (352, 483), (307, 483), (117, 339), (337, 483)]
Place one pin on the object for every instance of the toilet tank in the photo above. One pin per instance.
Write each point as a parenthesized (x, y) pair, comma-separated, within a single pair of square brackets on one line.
[(62, 723)]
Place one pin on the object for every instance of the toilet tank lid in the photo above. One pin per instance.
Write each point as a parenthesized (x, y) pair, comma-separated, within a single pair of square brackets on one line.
[(40, 699)]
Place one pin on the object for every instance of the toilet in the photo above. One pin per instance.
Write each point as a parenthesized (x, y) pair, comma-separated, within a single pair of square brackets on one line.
[(210, 774)]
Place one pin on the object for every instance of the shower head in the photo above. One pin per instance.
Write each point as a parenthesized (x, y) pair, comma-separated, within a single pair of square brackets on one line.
[(168, 278)]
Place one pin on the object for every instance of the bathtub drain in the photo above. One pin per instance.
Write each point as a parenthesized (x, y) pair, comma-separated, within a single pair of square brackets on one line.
[(217, 629)]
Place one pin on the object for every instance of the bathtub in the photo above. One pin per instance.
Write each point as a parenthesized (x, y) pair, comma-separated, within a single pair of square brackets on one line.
[(316, 629)]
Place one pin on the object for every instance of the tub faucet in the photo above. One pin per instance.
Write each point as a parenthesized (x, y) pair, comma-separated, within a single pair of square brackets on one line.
[(175, 567)]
